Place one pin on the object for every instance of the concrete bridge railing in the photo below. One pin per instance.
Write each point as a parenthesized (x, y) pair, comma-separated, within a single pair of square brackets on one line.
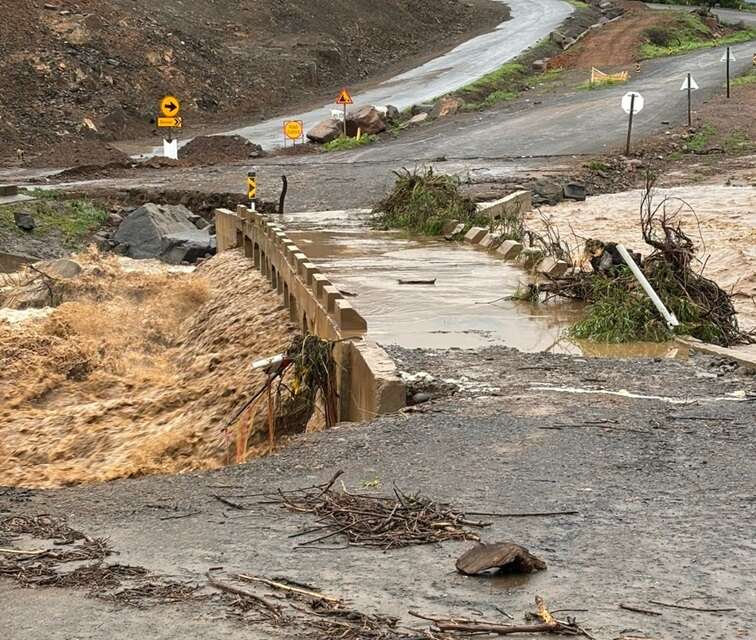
[(367, 380)]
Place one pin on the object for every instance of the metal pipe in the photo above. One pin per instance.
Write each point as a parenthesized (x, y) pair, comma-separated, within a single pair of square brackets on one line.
[(672, 321)]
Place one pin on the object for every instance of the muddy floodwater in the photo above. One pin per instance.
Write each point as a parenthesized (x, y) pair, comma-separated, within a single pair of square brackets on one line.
[(468, 307)]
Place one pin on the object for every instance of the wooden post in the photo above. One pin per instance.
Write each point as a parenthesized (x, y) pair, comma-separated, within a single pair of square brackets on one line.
[(690, 110), (630, 124)]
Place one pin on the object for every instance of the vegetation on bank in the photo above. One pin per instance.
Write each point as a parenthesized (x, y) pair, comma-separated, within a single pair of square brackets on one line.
[(73, 221), (423, 202), (345, 143), (748, 78), (725, 4), (502, 85), (687, 32)]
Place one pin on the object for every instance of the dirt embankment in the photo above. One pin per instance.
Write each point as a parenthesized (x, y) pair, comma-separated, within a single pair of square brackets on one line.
[(96, 69), (135, 373)]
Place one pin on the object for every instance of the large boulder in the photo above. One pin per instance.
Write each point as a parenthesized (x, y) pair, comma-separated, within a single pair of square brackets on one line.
[(369, 120), (325, 131), (165, 232), (24, 221)]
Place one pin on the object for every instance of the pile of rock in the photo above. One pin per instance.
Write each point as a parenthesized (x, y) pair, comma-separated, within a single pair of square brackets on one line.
[(171, 233), (367, 120)]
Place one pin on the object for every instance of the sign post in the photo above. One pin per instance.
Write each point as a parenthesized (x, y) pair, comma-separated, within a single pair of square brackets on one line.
[(169, 119), (689, 85), (344, 99), (632, 103), (727, 58), (252, 189), (293, 130)]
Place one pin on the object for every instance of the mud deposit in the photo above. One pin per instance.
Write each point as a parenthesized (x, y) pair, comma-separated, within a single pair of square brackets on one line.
[(135, 373)]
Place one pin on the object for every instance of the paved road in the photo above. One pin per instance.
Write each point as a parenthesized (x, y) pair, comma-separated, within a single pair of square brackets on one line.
[(728, 16), (530, 21), (580, 122)]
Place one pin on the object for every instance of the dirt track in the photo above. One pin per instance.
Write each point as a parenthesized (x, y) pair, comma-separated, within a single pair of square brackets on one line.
[(663, 489)]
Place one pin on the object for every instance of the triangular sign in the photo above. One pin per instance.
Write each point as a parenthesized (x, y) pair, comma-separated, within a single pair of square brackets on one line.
[(344, 97), (724, 57), (693, 84)]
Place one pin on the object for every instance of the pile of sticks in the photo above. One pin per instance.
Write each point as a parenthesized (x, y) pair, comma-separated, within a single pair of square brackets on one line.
[(371, 521)]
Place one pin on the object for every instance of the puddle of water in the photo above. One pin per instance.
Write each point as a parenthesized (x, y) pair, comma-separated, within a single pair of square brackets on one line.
[(466, 308)]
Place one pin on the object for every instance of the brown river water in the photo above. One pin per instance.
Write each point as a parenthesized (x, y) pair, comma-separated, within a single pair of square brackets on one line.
[(466, 308)]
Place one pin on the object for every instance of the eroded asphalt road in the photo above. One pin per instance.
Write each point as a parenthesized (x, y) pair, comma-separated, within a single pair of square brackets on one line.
[(661, 474), (531, 20)]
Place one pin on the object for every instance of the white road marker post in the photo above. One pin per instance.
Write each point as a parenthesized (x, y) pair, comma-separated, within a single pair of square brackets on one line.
[(632, 103), (727, 58), (689, 85), (670, 317)]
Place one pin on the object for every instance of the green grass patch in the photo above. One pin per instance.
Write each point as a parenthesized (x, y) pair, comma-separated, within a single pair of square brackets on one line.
[(423, 202), (345, 143), (738, 142), (71, 220), (597, 165), (502, 85), (687, 32), (748, 78), (579, 4), (701, 138)]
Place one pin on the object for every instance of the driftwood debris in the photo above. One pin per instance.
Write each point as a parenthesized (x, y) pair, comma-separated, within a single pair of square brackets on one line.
[(376, 521), (547, 623), (429, 281), (505, 556)]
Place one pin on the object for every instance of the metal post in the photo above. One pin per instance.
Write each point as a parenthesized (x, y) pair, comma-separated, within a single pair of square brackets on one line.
[(345, 128), (690, 111), (728, 72), (630, 124)]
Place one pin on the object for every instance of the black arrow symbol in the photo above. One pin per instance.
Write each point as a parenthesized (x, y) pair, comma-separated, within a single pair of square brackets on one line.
[(171, 106)]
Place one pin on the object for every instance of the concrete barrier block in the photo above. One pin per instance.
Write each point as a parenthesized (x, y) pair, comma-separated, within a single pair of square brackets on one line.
[(318, 282), (553, 268), (290, 250), (530, 257), (299, 260), (308, 271), (348, 318), (330, 295), (490, 240), (476, 234), (450, 226), (510, 249), (517, 203)]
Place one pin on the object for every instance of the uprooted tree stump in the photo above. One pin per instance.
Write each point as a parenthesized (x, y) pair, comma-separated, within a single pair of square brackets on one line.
[(502, 556)]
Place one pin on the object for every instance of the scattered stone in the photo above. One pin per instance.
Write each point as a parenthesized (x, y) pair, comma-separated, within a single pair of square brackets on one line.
[(548, 192), (60, 268), (498, 556), (417, 109), (164, 232), (450, 226), (418, 119), (574, 191), (114, 220), (540, 66), (325, 131), (420, 398), (392, 113), (446, 106), (198, 221), (368, 120), (24, 221)]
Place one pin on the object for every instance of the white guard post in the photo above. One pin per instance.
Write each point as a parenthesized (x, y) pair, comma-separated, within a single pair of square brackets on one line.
[(672, 321), (170, 149)]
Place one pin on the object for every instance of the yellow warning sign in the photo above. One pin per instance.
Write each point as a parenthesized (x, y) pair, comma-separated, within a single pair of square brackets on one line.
[(344, 97), (174, 123), (170, 106), (293, 129), (251, 187)]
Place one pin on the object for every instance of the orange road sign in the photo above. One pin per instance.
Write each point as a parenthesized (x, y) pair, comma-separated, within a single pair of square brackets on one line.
[(344, 97), (175, 123), (170, 106), (293, 129)]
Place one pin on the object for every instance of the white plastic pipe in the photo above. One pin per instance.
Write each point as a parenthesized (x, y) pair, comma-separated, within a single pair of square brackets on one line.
[(672, 321)]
